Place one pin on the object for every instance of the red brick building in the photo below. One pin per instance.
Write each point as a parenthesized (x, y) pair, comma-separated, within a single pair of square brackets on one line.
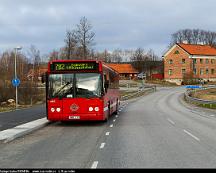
[(189, 60), (126, 71)]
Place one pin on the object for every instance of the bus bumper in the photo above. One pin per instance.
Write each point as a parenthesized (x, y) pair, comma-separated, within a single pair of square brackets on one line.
[(77, 117)]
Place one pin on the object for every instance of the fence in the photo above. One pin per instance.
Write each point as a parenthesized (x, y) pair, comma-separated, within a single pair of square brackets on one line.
[(194, 100), (139, 93)]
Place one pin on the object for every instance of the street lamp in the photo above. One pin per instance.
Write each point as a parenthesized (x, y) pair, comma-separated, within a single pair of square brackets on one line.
[(15, 72)]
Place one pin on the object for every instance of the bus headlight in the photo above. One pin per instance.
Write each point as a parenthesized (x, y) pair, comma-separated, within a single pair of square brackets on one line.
[(58, 109), (96, 109), (91, 109), (52, 109)]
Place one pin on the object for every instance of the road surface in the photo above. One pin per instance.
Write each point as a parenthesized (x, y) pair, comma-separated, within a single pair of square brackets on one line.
[(154, 131), (18, 117)]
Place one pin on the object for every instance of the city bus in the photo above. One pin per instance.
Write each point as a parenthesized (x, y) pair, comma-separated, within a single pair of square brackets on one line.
[(78, 90)]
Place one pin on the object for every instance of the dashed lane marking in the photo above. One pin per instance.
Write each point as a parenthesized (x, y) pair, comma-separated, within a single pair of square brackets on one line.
[(114, 120), (94, 165), (107, 133), (111, 125), (102, 145), (190, 134), (172, 122)]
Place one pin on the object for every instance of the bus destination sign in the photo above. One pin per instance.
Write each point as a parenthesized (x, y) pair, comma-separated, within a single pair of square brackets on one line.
[(67, 66)]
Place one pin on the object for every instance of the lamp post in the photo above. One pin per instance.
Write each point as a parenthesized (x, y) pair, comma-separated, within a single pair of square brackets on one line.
[(15, 71)]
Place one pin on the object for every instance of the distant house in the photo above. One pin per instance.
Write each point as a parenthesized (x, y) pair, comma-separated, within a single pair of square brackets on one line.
[(126, 71), (190, 60)]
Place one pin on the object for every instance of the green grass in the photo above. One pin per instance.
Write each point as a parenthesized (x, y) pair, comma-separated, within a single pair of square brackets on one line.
[(6, 109), (211, 106)]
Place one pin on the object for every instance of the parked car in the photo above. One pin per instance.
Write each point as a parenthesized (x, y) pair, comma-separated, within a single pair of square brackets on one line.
[(141, 76)]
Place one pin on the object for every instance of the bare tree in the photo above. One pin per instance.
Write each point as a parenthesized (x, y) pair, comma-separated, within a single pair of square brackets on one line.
[(116, 56), (84, 36), (35, 56), (71, 44), (138, 58), (138, 55), (54, 55), (194, 36)]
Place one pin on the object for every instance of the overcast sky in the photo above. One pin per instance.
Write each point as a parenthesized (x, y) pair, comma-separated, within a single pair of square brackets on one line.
[(124, 24)]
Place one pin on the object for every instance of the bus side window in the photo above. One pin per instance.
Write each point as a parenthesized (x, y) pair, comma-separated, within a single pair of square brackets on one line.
[(106, 83)]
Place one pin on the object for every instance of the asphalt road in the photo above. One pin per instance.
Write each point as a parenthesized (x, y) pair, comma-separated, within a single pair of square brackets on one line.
[(155, 131), (18, 117)]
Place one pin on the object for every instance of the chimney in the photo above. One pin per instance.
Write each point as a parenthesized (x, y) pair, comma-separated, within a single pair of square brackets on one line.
[(185, 41)]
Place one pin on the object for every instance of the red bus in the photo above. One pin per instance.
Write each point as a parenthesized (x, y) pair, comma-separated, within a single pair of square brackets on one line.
[(81, 90)]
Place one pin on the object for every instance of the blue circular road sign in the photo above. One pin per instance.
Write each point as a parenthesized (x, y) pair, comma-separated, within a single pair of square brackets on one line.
[(15, 82)]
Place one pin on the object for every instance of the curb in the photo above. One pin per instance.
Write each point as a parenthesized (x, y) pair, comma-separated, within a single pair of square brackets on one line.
[(21, 130), (193, 107)]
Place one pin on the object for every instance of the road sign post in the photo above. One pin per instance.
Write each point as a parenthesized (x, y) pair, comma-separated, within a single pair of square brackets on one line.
[(16, 83)]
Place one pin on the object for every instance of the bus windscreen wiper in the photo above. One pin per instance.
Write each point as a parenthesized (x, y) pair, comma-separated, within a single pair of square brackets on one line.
[(61, 89)]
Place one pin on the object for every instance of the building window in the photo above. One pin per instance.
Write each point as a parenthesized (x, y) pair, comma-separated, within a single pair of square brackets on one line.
[(201, 71), (201, 61), (212, 61), (176, 52), (183, 71), (212, 71), (207, 71), (207, 61), (194, 61), (183, 61), (170, 72), (170, 61), (195, 71)]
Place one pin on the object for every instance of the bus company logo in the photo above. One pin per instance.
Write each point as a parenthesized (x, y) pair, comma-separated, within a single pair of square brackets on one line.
[(74, 107)]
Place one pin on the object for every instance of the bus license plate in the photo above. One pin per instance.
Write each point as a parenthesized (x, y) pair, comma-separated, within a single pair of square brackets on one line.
[(74, 117)]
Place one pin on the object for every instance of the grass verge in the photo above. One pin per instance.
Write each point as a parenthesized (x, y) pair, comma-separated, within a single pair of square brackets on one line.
[(210, 106)]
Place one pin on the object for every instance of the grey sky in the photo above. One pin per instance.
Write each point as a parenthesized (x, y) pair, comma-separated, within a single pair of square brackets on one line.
[(124, 24)]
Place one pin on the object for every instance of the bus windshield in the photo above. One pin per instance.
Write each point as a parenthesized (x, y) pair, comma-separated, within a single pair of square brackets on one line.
[(75, 85)]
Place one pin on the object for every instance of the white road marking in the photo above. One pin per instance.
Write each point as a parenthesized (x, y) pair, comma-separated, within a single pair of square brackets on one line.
[(212, 115), (94, 165), (107, 133), (102, 145), (191, 135), (116, 116), (111, 125), (120, 110), (172, 122), (114, 120)]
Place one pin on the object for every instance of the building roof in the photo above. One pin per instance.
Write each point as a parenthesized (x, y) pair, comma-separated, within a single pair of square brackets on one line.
[(198, 49), (123, 68)]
